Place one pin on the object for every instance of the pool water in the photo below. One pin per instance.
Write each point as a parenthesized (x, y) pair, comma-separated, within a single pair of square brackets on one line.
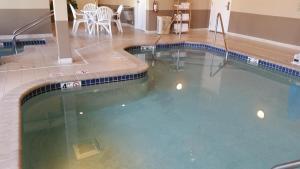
[(9, 51), (193, 111)]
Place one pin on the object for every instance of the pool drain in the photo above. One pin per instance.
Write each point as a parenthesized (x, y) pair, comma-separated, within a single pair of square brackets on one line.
[(86, 148)]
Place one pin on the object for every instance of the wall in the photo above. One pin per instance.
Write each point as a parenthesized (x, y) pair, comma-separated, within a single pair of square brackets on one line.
[(16, 13), (275, 20), (81, 3), (200, 13), (118, 2), (109, 2)]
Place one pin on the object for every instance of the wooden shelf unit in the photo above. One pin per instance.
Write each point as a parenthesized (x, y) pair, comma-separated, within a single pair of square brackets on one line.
[(184, 7)]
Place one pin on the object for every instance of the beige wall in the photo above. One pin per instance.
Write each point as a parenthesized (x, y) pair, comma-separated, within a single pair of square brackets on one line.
[(16, 13), (283, 8), (118, 2), (163, 4), (201, 4), (168, 4), (109, 2), (82, 2), (24, 4), (200, 13), (276, 20), (60, 10)]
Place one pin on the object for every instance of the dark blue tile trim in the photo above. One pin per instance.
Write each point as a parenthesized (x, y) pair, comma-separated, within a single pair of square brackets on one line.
[(231, 55), (24, 43), (84, 83)]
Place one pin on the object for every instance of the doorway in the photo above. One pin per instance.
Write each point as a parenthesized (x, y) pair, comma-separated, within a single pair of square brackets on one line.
[(140, 14), (223, 7)]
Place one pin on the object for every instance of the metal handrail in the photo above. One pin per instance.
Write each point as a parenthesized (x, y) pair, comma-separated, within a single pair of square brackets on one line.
[(219, 17), (31, 22), (288, 165), (159, 37), (27, 27), (174, 18), (178, 21)]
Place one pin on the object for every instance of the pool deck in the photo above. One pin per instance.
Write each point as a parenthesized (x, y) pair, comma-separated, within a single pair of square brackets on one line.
[(93, 57)]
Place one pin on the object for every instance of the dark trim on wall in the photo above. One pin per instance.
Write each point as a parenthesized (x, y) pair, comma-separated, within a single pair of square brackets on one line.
[(280, 29), (200, 18), (11, 19)]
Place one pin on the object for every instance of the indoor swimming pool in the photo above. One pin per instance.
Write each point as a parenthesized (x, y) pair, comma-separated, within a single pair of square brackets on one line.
[(193, 110), (6, 46), (5, 51)]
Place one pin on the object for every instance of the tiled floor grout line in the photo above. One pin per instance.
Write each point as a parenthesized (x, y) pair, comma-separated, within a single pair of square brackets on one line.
[(78, 53)]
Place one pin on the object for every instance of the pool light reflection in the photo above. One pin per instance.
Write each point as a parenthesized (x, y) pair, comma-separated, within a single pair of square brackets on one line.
[(260, 114), (179, 86)]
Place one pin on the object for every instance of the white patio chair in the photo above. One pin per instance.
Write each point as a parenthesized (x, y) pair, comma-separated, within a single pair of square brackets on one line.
[(117, 18), (90, 7), (104, 18), (90, 10), (77, 21), (91, 17)]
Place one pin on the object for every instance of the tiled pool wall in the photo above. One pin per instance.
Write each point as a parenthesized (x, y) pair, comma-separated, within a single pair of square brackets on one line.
[(84, 83), (8, 44), (264, 64)]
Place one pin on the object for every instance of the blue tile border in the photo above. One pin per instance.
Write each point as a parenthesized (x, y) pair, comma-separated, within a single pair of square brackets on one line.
[(264, 64), (25, 43), (84, 83)]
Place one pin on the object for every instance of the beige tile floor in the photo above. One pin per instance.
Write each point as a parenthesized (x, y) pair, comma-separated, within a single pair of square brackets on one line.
[(98, 56)]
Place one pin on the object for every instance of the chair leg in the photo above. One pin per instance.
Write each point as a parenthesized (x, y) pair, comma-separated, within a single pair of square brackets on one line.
[(103, 27), (91, 29), (97, 28), (74, 24), (76, 27), (110, 31), (86, 29), (120, 26)]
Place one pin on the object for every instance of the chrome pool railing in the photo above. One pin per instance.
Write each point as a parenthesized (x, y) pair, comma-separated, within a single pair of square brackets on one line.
[(289, 165), (27, 27), (219, 18), (175, 18)]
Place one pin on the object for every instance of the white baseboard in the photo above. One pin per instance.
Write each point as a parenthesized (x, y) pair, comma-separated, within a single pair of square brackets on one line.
[(150, 32), (27, 36), (295, 47), (128, 25), (199, 29), (192, 30)]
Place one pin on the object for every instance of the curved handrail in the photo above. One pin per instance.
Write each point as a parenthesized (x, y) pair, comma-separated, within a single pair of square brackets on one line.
[(288, 165), (219, 17), (27, 27), (15, 31)]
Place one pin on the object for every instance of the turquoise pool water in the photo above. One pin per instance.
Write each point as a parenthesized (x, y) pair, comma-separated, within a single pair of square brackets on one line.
[(193, 111), (9, 51)]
